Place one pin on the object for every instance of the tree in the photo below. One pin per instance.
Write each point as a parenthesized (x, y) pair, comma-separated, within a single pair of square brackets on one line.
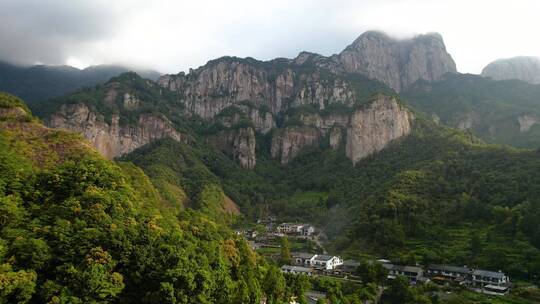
[(274, 285), (285, 257), (475, 244), (371, 272), (399, 292)]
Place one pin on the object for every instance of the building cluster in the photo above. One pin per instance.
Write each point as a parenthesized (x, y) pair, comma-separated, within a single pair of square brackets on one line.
[(489, 282), (296, 229), (309, 264), (273, 231), (485, 281)]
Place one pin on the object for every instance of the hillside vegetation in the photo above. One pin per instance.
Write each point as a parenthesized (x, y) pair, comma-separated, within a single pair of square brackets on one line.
[(75, 228)]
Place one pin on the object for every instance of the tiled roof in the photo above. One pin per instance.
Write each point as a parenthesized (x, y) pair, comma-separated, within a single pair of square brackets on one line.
[(487, 273)]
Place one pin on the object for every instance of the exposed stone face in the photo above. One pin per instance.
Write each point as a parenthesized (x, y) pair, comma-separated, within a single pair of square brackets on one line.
[(239, 144), (368, 130), (373, 128), (467, 121), (130, 102), (397, 63), (216, 86), (289, 142), (522, 68), (336, 135), (113, 140), (526, 122)]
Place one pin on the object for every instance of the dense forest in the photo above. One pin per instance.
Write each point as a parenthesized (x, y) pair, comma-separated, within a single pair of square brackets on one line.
[(154, 224), (75, 228)]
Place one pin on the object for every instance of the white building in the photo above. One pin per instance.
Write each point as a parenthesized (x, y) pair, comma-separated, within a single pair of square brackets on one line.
[(326, 262), (304, 259), (485, 277)]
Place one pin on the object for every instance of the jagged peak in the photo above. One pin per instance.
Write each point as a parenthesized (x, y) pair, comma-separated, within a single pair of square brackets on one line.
[(382, 36), (305, 56)]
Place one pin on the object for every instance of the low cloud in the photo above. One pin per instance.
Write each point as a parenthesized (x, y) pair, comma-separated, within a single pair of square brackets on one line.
[(173, 36)]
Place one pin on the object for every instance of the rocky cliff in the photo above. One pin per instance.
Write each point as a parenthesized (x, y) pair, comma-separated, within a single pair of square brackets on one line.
[(110, 138), (375, 126), (368, 129), (239, 144), (276, 85), (397, 63), (307, 101), (522, 68)]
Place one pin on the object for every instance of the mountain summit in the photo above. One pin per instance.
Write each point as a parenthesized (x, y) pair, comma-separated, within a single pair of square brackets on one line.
[(524, 68), (397, 63)]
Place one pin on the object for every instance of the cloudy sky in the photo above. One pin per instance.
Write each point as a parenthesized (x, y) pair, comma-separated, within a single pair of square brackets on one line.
[(174, 35)]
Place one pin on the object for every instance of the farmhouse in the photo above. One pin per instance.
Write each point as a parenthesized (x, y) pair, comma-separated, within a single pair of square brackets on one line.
[(460, 275), (482, 278), (348, 266), (413, 273), (296, 229), (326, 262), (296, 270), (303, 259)]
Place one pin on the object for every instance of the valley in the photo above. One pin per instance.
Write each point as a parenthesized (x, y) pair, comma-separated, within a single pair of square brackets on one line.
[(136, 185)]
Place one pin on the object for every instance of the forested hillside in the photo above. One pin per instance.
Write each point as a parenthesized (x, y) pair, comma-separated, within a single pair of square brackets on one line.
[(427, 196), (75, 228), (502, 112)]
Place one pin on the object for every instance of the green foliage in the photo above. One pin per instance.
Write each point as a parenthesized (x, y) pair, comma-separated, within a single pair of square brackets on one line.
[(492, 106), (86, 230), (285, 257)]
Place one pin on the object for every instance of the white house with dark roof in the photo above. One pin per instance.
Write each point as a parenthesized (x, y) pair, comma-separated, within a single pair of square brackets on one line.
[(413, 273), (326, 262), (303, 259), (485, 277)]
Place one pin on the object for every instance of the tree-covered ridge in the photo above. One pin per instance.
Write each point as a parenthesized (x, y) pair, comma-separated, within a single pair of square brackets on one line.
[(80, 229), (491, 109), (127, 95), (421, 200)]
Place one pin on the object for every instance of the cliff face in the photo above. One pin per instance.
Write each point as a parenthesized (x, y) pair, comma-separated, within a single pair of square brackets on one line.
[(245, 97), (373, 128), (368, 130), (397, 63), (112, 139), (239, 144), (289, 142), (275, 86), (522, 68)]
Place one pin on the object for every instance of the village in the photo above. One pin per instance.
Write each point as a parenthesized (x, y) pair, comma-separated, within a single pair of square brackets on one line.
[(315, 261)]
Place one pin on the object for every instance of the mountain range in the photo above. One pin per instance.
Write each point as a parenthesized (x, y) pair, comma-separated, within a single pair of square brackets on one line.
[(40, 82), (385, 146)]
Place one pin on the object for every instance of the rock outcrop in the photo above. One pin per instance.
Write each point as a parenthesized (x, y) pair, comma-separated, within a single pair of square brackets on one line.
[(522, 68), (397, 63), (526, 122), (232, 81), (110, 138), (368, 130), (374, 127), (239, 144), (289, 142)]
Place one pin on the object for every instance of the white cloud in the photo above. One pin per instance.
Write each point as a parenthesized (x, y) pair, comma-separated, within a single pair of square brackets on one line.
[(175, 35)]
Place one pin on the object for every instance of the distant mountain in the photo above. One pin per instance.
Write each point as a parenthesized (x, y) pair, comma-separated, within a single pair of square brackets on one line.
[(503, 112), (40, 82), (522, 68)]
